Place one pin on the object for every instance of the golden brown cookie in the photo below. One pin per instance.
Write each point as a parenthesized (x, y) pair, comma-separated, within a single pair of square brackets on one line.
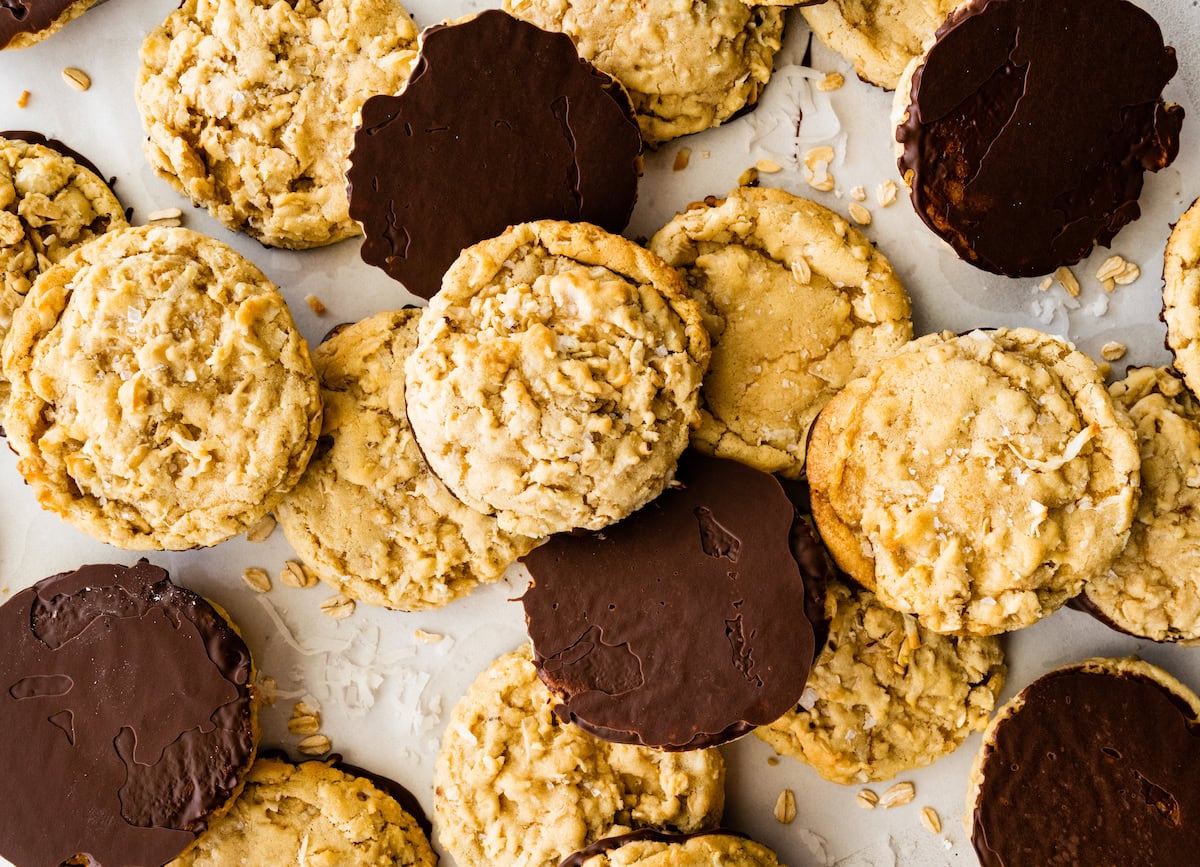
[(161, 394), (975, 481), (368, 516), (655, 849), (797, 302), (1181, 295)]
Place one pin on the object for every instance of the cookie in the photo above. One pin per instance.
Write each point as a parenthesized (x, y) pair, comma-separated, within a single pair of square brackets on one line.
[(647, 848), (1025, 130), (975, 481), (712, 552), (161, 394), (887, 695), (311, 814), (51, 201), (24, 22), (796, 301), (880, 37), (556, 377), (262, 142), (1152, 589), (687, 66), (500, 123), (515, 785), (1181, 295), (368, 516), (1107, 749), (129, 717)]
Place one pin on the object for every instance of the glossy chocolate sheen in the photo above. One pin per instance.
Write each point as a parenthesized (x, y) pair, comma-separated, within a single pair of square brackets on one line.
[(1094, 768), (608, 844), (816, 566), (29, 16), (500, 123), (682, 626), (127, 717), (1030, 127)]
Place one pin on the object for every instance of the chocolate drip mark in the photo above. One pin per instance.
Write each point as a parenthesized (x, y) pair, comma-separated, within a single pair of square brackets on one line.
[(589, 663), (64, 720), (716, 540), (1163, 801), (561, 107), (743, 653), (41, 686)]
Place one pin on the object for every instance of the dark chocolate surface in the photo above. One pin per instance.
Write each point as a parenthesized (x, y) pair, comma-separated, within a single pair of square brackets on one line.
[(608, 844), (500, 123), (127, 717), (816, 566), (1095, 768), (682, 626), (1031, 125), (28, 16)]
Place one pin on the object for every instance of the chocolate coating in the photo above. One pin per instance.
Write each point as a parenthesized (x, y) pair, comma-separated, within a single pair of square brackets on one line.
[(816, 566), (607, 844), (1111, 759), (127, 717), (682, 626), (28, 135), (500, 123), (29, 16), (1030, 127)]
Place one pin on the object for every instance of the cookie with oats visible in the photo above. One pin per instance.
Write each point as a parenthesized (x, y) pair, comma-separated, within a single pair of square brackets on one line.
[(1181, 295), (261, 142), (687, 66), (515, 785), (24, 22), (976, 481), (797, 302), (887, 695), (313, 814), (368, 516), (556, 377), (655, 849), (161, 394)]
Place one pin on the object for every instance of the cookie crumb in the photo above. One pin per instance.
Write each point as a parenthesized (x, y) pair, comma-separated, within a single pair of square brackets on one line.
[(1066, 277), (682, 156), (166, 218), (772, 760), (296, 574), (1046, 283), (859, 193), (931, 820), (257, 579), (23, 99), (268, 690), (886, 193), (768, 167), (867, 799), (1113, 351), (261, 531), (860, 214), (831, 81), (314, 304), (315, 745), (428, 637), (816, 162), (748, 178), (785, 807), (338, 607), (77, 78), (898, 795)]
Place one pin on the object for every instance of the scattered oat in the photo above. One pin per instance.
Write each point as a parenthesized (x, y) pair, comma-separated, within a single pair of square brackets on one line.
[(768, 167), (1046, 284), (314, 304), (428, 637), (801, 270), (831, 81), (257, 579), (338, 607), (261, 531), (1105, 369), (164, 214), (705, 154), (817, 161), (296, 574), (931, 820), (77, 78), (859, 193), (860, 214), (315, 745), (1113, 351), (772, 760), (1066, 277), (912, 636), (23, 99), (748, 178), (822, 154), (1117, 271), (886, 193), (867, 799), (682, 156), (785, 807), (268, 690), (306, 720), (898, 795)]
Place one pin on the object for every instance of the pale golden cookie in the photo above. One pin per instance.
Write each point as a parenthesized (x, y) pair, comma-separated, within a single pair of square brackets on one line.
[(880, 37), (687, 64), (557, 377), (1181, 295), (49, 205), (796, 301), (1153, 587), (705, 850), (975, 481), (250, 107), (161, 394), (887, 695), (310, 814), (515, 785), (368, 516)]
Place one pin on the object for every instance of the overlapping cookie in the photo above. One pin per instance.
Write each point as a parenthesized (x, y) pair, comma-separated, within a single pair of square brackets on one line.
[(25, 22), (648, 848), (1181, 295)]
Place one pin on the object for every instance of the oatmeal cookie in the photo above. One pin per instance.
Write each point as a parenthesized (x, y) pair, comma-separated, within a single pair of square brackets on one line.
[(556, 377), (797, 302), (975, 481), (262, 142), (1181, 295), (655, 849), (161, 394), (516, 785), (367, 515), (688, 65), (24, 22), (887, 695)]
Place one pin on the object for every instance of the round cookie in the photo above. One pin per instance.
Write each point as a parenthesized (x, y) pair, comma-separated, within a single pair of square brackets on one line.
[(24, 22), (161, 394), (880, 37), (887, 695), (1181, 295), (556, 377), (648, 848), (713, 552), (1107, 750), (368, 516), (515, 785), (796, 301), (975, 481), (500, 123), (50, 203), (262, 142), (310, 814), (1025, 130), (687, 66), (129, 717), (1152, 589)]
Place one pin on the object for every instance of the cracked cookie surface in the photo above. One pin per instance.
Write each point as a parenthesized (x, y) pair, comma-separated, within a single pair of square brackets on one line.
[(1181, 295)]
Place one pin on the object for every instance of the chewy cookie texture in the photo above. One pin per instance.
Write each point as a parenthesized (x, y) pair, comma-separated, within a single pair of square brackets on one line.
[(161, 394), (1181, 295), (655, 849)]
